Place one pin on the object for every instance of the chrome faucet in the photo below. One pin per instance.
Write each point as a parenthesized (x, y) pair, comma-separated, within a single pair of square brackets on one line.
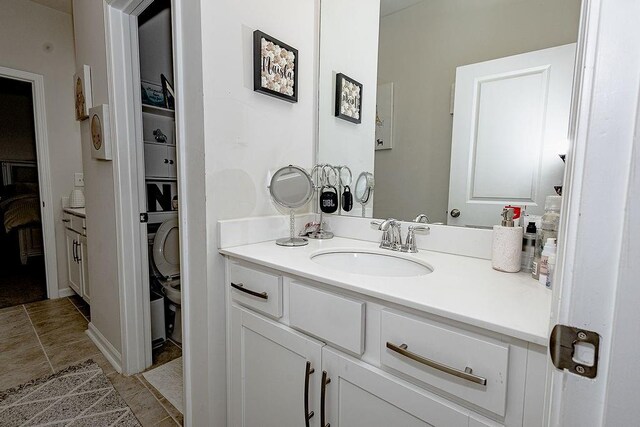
[(422, 218), (392, 235)]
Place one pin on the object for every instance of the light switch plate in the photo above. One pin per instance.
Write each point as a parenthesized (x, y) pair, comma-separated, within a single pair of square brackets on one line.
[(78, 179)]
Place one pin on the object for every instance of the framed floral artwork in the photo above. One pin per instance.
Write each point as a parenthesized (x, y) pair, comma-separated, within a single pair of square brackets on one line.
[(275, 67), (100, 132), (348, 99), (82, 92)]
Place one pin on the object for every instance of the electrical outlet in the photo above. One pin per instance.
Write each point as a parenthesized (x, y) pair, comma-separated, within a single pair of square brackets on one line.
[(78, 179)]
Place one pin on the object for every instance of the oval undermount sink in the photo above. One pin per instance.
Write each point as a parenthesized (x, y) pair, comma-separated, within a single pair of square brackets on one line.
[(371, 263)]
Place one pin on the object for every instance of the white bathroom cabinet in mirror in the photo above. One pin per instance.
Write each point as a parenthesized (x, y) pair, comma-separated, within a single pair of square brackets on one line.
[(419, 46)]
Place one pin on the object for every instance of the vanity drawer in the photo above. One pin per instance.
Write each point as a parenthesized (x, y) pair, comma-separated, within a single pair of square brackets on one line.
[(330, 317), (256, 289), (435, 354), (75, 223)]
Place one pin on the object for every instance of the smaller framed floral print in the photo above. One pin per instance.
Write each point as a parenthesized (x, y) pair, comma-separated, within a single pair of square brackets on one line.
[(275, 67), (100, 132), (348, 99), (82, 92)]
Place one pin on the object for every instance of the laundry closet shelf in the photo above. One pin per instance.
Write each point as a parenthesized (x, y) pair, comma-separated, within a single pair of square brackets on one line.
[(158, 111)]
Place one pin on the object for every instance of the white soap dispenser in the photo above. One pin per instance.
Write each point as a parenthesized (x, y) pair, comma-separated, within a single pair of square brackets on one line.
[(506, 250)]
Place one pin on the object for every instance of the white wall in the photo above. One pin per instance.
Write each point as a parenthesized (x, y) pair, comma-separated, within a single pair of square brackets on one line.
[(349, 45), (420, 48), (88, 19), (25, 28), (246, 134)]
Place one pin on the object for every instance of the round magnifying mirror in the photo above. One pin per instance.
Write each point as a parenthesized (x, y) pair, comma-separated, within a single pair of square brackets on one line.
[(364, 188), (291, 187)]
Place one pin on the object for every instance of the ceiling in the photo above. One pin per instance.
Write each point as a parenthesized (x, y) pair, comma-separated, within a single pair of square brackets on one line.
[(387, 7), (61, 5)]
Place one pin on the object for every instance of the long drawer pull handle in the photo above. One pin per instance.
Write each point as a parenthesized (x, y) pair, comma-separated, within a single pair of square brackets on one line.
[(241, 288), (467, 374), (323, 397), (307, 415)]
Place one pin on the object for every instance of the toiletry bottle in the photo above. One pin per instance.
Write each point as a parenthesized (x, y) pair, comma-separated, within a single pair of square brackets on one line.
[(528, 246), (551, 268), (547, 230), (506, 249), (549, 250)]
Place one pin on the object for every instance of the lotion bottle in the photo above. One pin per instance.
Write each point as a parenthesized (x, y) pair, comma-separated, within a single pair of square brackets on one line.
[(548, 254), (506, 249)]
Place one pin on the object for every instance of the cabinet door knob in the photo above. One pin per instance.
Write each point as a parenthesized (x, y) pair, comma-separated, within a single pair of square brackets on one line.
[(455, 213), (166, 160), (171, 162)]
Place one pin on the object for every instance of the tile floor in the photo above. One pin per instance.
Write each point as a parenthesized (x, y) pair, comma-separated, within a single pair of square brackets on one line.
[(44, 337)]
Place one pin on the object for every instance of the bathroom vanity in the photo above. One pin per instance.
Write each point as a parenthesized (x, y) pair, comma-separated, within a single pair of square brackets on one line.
[(451, 343)]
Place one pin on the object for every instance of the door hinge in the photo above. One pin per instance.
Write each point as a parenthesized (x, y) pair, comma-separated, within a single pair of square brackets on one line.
[(144, 217), (575, 350)]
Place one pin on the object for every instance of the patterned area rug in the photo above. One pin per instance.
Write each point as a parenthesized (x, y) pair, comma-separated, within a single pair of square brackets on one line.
[(80, 395)]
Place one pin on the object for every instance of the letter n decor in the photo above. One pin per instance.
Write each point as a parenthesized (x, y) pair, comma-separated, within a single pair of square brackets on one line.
[(275, 67)]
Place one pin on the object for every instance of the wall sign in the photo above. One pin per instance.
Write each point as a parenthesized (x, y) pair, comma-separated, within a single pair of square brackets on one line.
[(275, 67), (348, 99), (100, 132)]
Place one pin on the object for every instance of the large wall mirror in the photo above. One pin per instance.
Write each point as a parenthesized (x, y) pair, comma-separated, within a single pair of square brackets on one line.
[(463, 106)]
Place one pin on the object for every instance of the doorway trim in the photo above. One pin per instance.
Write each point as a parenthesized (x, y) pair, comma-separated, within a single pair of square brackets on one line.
[(44, 174)]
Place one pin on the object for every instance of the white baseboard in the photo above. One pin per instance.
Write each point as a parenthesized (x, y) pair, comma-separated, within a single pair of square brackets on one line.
[(66, 292), (113, 356)]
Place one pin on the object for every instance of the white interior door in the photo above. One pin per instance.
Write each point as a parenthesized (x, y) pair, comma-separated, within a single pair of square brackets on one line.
[(510, 124)]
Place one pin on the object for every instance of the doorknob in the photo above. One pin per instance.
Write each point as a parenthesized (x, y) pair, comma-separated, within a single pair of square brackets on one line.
[(455, 213)]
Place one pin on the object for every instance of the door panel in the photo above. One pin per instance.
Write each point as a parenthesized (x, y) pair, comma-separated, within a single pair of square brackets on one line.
[(268, 372), (156, 162), (172, 169), (84, 269), (361, 395), (511, 119), (73, 267)]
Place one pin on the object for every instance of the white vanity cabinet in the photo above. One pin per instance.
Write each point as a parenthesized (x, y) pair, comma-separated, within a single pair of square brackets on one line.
[(372, 363), (160, 160), (275, 373), (77, 255)]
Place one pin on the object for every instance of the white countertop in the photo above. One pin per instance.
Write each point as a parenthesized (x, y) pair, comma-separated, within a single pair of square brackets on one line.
[(76, 211), (460, 288)]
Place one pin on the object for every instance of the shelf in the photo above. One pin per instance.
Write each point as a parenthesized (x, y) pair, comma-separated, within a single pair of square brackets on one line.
[(159, 111)]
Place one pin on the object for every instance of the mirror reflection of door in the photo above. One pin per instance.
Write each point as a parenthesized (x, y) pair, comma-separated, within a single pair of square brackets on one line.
[(415, 47), (510, 126)]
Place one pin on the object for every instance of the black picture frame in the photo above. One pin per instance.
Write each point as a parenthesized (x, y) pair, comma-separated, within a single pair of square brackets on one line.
[(340, 79), (259, 64), (169, 93)]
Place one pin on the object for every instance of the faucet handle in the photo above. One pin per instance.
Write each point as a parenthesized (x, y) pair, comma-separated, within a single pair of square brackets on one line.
[(410, 245), (419, 228), (423, 218)]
